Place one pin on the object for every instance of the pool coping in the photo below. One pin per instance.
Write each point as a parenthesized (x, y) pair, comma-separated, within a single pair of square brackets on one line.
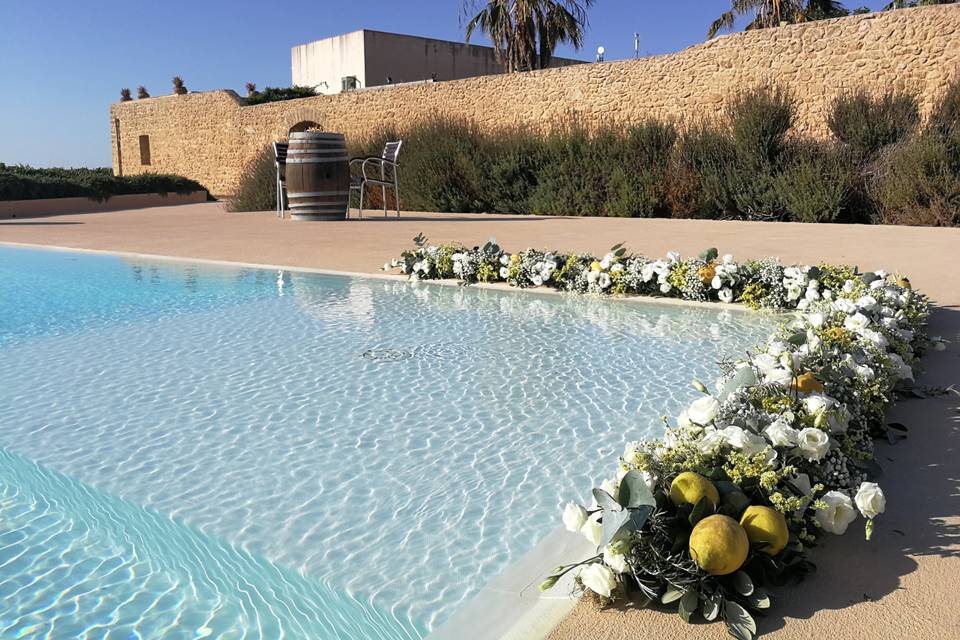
[(395, 277)]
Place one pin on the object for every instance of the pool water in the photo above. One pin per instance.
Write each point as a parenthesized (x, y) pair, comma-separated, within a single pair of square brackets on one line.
[(199, 451)]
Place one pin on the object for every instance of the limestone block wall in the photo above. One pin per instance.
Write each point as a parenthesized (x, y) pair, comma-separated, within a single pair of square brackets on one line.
[(209, 136)]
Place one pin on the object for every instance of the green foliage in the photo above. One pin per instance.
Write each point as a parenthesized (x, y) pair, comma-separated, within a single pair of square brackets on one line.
[(276, 94), (945, 117), (814, 186), (867, 123), (257, 189), (918, 182), (759, 120), (697, 187), (21, 182)]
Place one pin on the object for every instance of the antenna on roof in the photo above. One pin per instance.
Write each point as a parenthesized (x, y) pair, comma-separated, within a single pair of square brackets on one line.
[(636, 44)]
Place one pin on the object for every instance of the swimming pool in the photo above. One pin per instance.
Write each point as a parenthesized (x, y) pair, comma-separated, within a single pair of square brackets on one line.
[(208, 451)]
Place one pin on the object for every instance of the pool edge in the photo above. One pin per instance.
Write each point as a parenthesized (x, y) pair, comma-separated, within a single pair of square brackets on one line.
[(496, 286)]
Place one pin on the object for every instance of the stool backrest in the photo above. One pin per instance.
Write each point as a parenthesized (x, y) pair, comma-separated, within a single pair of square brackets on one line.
[(392, 151)]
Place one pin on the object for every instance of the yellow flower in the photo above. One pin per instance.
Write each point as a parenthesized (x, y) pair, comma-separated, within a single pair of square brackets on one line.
[(707, 273), (807, 383)]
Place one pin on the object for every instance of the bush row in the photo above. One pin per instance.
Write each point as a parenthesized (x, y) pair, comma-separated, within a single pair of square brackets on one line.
[(20, 182), (883, 164)]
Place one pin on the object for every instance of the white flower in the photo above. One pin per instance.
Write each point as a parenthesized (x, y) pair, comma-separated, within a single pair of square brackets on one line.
[(901, 369), (838, 514), (703, 410), (505, 259), (614, 560), (536, 280), (604, 280), (765, 362), (844, 305), (867, 303), (856, 323), (812, 443), (725, 294), (865, 372), (870, 500), (503, 273), (875, 337), (747, 443), (778, 376), (711, 441), (716, 283), (599, 579), (574, 517), (610, 486), (592, 530), (816, 403), (665, 287), (781, 434), (815, 319)]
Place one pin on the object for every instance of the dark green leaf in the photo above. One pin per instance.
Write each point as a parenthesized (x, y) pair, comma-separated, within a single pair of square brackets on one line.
[(899, 426), (869, 277), (740, 624), (709, 255), (759, 599), (638, 516), (870, 467), (814, 273), (634, 491), (734, 503), (701, 510), (711, 607), (798, 339), (688, 604), (742, 583)]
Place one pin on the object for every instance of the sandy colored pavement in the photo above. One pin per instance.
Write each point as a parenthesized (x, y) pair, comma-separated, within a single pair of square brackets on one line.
[(903, 584)]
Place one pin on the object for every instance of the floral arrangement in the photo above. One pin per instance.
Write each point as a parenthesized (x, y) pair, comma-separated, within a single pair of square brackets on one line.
[(779, 453)]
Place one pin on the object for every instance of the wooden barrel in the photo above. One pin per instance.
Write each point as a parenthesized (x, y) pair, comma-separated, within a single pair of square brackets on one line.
[(318, 176)]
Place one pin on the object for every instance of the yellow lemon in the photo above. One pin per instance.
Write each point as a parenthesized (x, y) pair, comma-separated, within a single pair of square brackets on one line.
[(807, 383), (764, 524), (595, 266), (706, 273), (719, 545), (689, 487), (904, 282)]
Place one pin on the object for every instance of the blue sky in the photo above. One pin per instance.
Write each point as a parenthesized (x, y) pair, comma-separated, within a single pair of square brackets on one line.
[(63, 62)]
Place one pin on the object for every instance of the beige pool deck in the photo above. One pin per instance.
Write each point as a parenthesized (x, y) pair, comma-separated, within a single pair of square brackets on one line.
[(903, 584)]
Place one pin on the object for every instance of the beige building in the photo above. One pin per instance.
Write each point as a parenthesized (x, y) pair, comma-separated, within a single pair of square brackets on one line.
[(368, 58)]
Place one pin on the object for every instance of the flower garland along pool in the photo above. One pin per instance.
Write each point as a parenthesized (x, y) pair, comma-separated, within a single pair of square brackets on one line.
[(752, 473)]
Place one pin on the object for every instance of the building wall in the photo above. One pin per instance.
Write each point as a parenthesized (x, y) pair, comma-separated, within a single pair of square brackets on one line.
[(210, 136), (323, 63)]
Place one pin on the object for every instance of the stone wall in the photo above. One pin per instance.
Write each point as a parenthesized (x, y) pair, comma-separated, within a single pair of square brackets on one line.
[(210, 136)]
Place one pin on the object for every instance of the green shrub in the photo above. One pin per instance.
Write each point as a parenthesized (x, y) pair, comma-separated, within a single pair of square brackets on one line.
[(637, 183), (867, 123), (257, 190), (276, 94), (814, 186), (759, 120), (510, 162), (573, 177), (918, 182), (945, 116), (697, 185), (21, 182)]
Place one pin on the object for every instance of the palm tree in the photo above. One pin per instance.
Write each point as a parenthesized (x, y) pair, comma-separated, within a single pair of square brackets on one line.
[(773, 13), (525, 33)]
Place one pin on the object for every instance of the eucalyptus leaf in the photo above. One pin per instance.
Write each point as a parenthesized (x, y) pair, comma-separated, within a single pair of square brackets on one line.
[(899, 426), (869, 277), (870, 467), (744, 377), (638, 516), (613, 522), (759, 599), (688, 604), (742, 583), (672, 594), (711, 607), (798, 339), (604, 499), (814, 273), (709, 255), (740, 624), (634, 491)]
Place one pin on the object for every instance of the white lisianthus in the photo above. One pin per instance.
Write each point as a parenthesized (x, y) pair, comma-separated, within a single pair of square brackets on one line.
[(592, 530), (865, 372), (711, 440), (856, 323), (604, 280), (781, 434), (716, 282), (610, 486), (614, 560), (747, 443), (778, 376), (665, 287), (844, 305), (867, 303), (703, 410), (816, 403), (503, 273), (574, 517), (870, 500), (815, 319), (683, 420), (838, 514), (765, 362), (812, 443), (725, 294), (599, 579), (875, 337), (536, 280)]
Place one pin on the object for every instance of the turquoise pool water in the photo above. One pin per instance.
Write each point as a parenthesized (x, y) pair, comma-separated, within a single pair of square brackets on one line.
[(193, 451)]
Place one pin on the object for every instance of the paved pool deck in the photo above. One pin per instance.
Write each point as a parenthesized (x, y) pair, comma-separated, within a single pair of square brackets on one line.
[(903, 584)]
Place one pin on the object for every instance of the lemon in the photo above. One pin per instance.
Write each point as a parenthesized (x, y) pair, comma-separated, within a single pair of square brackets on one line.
[(689, 487), (807, 383), (595, 266), (719, 545), (764, 524), (904, 282)]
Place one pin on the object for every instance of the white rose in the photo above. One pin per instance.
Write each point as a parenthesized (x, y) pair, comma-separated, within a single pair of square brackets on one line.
[(503, 273), (610, 486), (781, 434), (592, 530), (683, 420), (816, 403), (665, 288), (838, 514), (604, 280), (901, 369), (812, 443), (778, 376), (725, 294), (865, 372), (703, 410), (815, 319), (844, 305), (599, 579), (716, 282), (875, 337), (870, 500), (765, 362), (748, 443), (867, 303), (574, 517), (614, 560)]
